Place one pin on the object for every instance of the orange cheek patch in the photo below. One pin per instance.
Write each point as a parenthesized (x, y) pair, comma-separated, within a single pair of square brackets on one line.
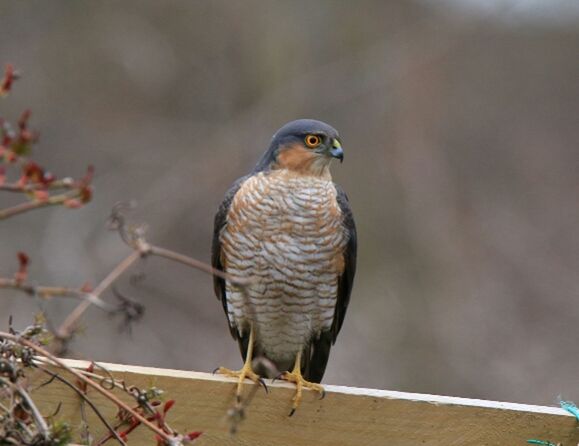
[(296, 158)]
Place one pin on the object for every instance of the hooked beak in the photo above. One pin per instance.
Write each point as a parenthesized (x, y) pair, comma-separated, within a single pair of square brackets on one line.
[(336, 151)]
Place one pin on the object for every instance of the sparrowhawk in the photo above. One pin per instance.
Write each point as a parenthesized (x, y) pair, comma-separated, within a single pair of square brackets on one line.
[(289, 228)]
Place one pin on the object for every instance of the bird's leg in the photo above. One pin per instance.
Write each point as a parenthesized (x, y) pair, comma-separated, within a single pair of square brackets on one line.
[(296, 377), (246, 371)]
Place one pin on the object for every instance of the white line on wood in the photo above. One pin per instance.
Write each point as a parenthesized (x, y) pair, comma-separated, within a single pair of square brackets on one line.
[(375, 393)]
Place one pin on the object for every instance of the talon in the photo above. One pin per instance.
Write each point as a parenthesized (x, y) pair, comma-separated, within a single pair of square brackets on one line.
[(279, 376), (215, 370), (296, 377), (246, 371), (241, 375), (262, 382)]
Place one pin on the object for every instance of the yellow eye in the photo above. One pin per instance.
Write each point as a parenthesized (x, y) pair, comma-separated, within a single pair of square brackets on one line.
[(313, 141)]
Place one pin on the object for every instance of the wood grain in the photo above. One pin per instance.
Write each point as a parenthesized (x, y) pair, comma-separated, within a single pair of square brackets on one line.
[(347, 416)]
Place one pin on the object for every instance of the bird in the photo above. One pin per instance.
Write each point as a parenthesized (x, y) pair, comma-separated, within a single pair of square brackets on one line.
[(288, 230)]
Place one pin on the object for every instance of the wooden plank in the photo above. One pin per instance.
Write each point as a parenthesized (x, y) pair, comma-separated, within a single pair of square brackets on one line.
[(347, 416)]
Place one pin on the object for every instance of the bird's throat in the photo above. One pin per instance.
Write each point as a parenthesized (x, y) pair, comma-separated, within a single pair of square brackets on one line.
[(301, 161)]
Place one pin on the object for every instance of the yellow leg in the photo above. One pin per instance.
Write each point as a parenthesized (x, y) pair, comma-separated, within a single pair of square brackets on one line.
[(296, 377), (246, 371)]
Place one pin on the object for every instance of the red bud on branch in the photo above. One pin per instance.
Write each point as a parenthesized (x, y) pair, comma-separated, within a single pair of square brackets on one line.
[(22, 272), (10, 75)]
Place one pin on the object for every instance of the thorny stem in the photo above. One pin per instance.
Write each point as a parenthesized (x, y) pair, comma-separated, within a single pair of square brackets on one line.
[(115, 383), (167, 438), (110, 379)]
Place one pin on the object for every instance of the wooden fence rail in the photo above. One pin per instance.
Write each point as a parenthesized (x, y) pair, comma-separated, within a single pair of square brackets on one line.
[(347, 415)]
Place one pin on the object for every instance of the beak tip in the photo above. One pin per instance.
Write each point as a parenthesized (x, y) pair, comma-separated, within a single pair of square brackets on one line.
[(338, 153)]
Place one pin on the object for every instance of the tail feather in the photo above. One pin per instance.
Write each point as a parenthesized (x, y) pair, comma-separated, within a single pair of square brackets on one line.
[(316, 357)]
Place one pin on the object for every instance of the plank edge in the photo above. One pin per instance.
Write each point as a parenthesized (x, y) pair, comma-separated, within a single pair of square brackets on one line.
[(345, 390)]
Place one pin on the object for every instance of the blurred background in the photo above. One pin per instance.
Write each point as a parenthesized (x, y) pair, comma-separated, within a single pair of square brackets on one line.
[(460, 122)]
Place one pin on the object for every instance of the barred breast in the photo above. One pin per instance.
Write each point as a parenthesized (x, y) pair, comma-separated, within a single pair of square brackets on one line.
[(286, 231)]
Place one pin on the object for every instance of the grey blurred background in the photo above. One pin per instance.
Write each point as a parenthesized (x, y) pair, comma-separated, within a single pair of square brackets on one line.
[(460, 122)]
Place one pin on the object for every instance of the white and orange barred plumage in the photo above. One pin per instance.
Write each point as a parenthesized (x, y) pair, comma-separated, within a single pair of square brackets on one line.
[(289, 228)]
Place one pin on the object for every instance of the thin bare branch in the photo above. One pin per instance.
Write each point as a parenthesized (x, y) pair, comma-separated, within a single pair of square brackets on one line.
[(23, 207), (194, 263), (48, 292), (69, 324), (64, 183), (134, 237), (85, 399), (53, 200)]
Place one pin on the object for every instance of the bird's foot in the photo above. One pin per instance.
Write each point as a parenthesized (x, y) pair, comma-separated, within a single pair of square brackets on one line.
[(245, 372), (297, 378)]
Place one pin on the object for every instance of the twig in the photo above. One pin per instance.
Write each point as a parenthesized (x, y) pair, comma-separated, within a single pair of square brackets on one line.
[(129, 308), (84, 428), (38, 418), (36, 204), (110, 383), (23, 207), (48, 292), (85, 399), (134, 237), (4, 408), (165, 437), (67, 327), (194, 263), (65, 183)]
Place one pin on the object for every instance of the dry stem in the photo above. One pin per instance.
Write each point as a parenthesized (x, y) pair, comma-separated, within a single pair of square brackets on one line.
[(110, 396), (65, 183), (38, 418), (48, 292), (85, 399), (36, 204), (68, 326)]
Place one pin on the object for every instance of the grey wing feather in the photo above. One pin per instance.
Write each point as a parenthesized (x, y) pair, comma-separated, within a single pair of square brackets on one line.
[(346, 280), (216, 253), (318, 352)]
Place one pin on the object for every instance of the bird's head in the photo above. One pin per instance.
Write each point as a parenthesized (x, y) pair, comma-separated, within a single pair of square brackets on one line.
[(304, 147)]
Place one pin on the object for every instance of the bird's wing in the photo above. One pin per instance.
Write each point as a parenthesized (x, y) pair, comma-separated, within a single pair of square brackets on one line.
[(319, 350), (346, 280), (216, 251)]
